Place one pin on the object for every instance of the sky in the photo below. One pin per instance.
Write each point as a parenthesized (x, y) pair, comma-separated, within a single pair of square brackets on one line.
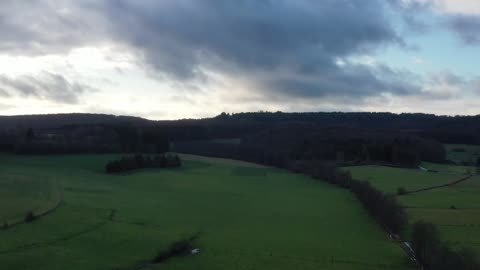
[(171, 59)]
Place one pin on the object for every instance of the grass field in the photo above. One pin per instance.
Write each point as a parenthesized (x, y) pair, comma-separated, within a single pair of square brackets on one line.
[(249, 218), (389, 179), (21, 193), (455, 210), (460, 153)]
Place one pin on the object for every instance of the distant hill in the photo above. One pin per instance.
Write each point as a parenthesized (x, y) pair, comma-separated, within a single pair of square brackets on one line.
[(446, 129), (44, 121)]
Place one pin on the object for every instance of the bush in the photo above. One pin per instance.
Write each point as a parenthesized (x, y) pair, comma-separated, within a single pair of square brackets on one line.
[(30, 216), (180, 248), (401, 191)]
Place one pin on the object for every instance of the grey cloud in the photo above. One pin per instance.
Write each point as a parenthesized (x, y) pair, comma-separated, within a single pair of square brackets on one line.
[(46, 86), (250, 33), (353, 82), (449, 86), (292, 43), (467, 27), (31, 27), (302, 38)]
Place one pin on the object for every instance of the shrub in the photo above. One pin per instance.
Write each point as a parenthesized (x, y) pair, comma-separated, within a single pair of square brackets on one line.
[(30, 216), (401, 191), (180, 248)]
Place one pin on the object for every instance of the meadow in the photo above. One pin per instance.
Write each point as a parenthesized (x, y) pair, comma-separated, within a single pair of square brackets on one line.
[(247, 217), (455, 210), (389, 180), (462, 153)]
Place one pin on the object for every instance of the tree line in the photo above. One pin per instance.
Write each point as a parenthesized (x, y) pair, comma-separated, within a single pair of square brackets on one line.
[(344, 146), (139, 161), (432, 253), (87, 139)]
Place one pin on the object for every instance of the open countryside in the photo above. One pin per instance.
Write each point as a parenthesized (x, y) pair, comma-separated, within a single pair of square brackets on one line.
[(240, 135), (247, 217)]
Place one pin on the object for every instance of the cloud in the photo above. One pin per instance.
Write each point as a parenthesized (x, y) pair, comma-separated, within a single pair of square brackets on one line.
[(468, 7), (274, 50), (45, 86), (467, 27), (448, 86), (459, 16), (293, 44), (47, 26)]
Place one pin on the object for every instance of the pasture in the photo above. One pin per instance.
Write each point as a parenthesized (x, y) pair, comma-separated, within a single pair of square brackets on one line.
[(248, 217), (462, 153), (454, 209), (388, 179), (21, 193)]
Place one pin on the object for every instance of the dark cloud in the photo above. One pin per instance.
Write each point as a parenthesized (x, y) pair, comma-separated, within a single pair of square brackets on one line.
[(47, 86), (176, 35), (353, 81), (293, 44), (285, 40), (467, 27)]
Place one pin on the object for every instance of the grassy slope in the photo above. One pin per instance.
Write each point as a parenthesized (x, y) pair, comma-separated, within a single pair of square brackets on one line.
[(460, 226), (471, 153), (22, 192), (390, 179), (250, 218)]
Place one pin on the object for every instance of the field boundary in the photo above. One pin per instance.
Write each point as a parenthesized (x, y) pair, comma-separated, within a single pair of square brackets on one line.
[(8, 224), (453, 183)]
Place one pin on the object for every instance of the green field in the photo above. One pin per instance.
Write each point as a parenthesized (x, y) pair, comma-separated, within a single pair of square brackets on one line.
[(455, 209), (21, 193), (460, 153), (389, 179), (249, 217)]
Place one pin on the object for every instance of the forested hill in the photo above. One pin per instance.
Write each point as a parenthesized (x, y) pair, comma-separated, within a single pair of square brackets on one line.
[(60, 120), (359, 119), (446, 129), (352, 119)]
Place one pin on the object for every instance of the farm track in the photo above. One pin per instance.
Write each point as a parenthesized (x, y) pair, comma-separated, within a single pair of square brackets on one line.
[(453, 183), (61, 239)]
